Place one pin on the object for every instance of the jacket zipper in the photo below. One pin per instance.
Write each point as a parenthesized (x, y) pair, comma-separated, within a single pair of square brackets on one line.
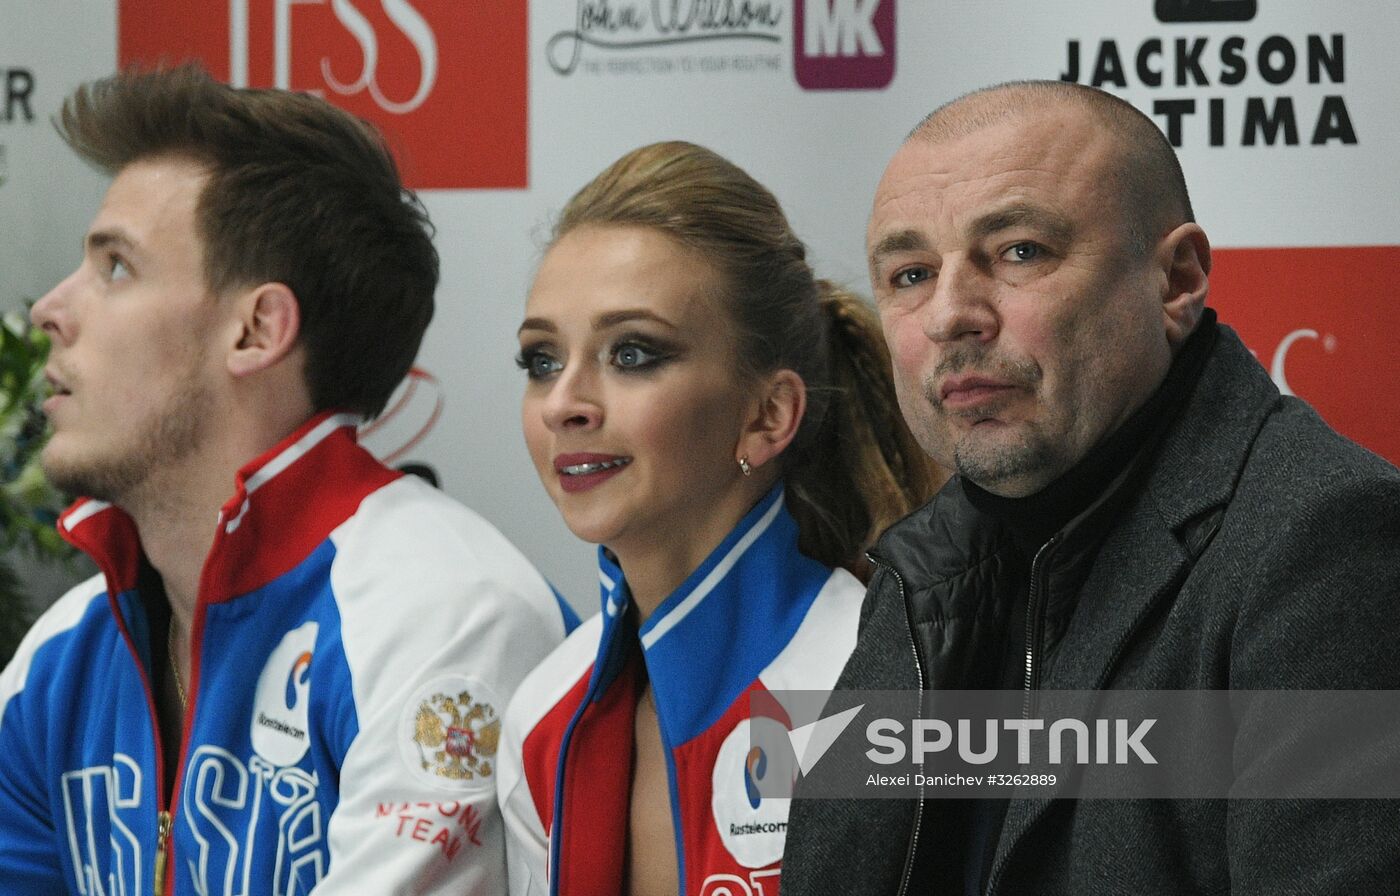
[(908, 872), (674, 786), (556, 848), (162, 848), (165, 817), (1035, 628), (1035, 633)]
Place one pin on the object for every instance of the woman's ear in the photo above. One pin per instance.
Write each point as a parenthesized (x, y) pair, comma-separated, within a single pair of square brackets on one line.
[(780, 400), (268, 321)]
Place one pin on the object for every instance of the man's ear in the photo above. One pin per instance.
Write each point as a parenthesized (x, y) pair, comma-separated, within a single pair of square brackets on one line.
[(1185, 257), (268, 322), (780, 398)]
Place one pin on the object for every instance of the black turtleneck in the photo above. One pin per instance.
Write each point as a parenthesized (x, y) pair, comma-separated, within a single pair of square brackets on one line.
[(1084, 499)]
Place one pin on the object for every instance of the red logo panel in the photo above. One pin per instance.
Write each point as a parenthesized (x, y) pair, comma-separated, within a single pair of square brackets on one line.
[(843, 44), (1325, 323), (445, 81)]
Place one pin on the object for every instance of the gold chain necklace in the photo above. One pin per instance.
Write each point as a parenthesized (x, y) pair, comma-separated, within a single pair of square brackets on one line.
[(175, 663)]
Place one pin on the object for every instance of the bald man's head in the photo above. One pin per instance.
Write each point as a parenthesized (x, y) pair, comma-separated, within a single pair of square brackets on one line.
[(1146, 174), (1036, 270)]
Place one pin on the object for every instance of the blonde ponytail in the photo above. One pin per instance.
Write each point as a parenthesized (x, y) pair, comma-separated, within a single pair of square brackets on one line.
[(861, 469)]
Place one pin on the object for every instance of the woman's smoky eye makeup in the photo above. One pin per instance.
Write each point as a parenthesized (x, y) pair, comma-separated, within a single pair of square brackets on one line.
[(536, 361), (635, 353), (626, 352)]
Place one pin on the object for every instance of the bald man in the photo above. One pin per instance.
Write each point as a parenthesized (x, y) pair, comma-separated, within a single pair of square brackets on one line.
[(1135, 507)]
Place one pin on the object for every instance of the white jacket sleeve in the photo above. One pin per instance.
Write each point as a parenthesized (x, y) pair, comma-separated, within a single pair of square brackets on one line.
[(441, 619)]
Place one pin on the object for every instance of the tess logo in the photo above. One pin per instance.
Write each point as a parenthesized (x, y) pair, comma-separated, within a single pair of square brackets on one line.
[(445, 81), (843, 44)]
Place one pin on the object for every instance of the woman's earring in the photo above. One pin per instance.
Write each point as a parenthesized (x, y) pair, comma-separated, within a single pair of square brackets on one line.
[(744, 465)]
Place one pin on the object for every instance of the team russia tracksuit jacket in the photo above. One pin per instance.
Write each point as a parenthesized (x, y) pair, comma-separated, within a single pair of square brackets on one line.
[(355, 635), (755, 615)]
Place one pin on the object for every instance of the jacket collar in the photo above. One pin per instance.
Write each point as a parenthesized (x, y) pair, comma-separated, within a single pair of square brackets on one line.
[(1160, 533), (708, 641), (285, 503), (1206, 450)]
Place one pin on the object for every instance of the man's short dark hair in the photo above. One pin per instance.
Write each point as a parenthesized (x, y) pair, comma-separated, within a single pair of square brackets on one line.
[(299, 193)]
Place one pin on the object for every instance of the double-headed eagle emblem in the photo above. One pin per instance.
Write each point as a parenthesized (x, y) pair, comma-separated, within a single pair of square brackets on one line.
[(457, 738)]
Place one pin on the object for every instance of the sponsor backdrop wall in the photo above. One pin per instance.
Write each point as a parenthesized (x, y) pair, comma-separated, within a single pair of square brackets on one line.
[(1283, 110)]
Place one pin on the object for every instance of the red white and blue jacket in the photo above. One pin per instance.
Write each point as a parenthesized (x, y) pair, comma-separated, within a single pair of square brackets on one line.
[(755, 615), (355, 636)]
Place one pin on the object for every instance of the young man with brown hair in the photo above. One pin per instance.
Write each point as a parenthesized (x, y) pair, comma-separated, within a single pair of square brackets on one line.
[(289, 672)]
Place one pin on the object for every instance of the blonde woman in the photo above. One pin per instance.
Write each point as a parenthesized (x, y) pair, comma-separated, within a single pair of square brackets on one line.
[(724, 427)]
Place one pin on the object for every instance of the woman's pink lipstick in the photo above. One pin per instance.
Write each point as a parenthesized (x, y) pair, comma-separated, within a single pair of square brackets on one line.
[(580, 472)]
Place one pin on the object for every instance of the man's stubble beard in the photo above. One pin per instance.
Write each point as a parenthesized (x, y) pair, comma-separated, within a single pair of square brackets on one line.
[(169, 437), (1003, 467), (999, 465)]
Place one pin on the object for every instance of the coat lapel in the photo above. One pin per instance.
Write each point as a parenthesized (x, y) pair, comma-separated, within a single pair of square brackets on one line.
[(1145, 558)]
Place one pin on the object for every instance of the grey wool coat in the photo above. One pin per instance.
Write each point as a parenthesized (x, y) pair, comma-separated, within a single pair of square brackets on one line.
[(1260, 550)]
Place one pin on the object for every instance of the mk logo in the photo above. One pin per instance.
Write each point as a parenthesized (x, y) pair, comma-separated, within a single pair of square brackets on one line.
[(844, 44)]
